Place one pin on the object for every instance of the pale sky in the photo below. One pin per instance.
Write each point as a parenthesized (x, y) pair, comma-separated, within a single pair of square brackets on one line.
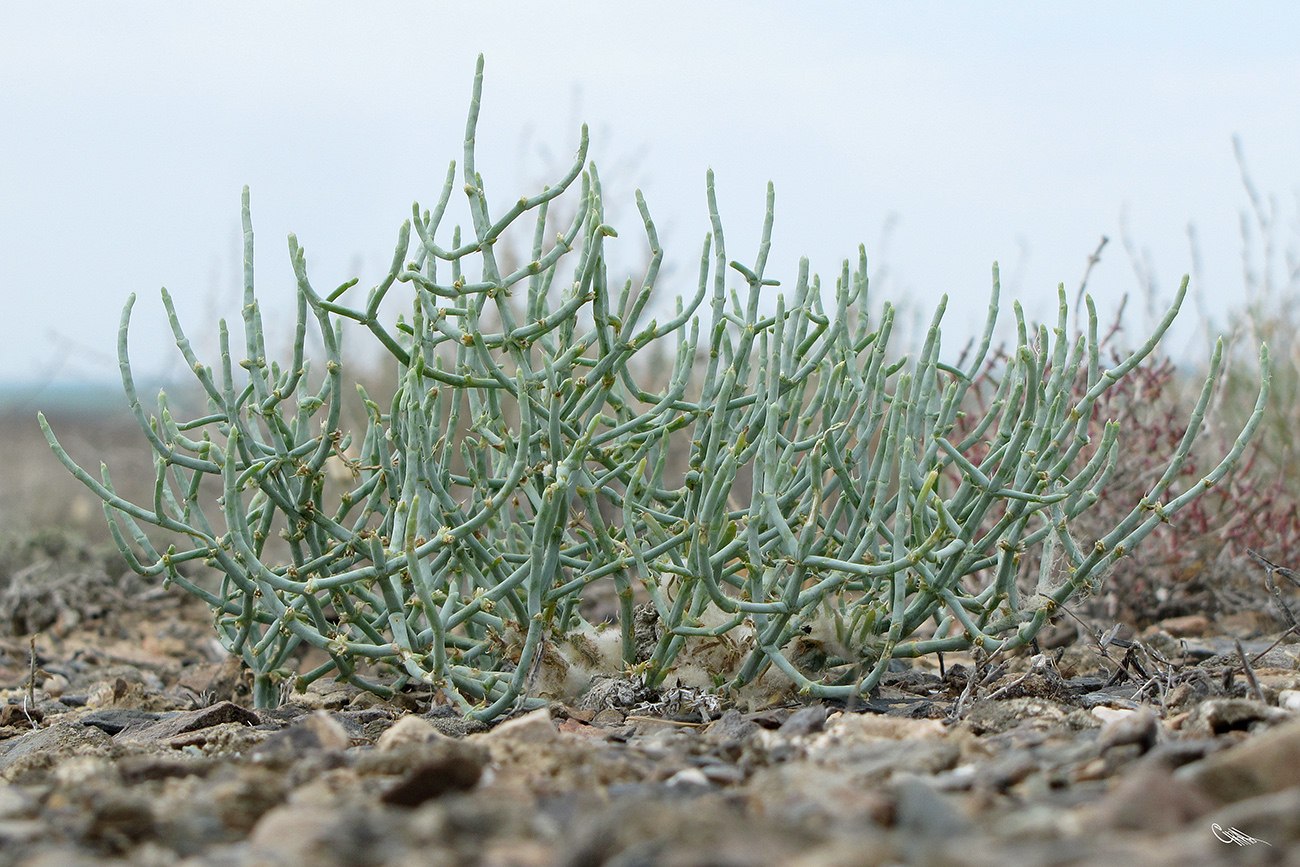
[(1015, 131)]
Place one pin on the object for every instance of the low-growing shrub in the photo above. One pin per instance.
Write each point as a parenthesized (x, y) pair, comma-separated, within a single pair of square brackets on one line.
[(839, 507)]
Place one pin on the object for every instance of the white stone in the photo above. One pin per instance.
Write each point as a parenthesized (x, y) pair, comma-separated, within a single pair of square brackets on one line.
[(687, 777), (409, 729), (1111, 714), (531, 728)]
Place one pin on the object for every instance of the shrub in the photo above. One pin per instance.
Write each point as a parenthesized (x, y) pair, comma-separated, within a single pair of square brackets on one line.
[(838, 509)]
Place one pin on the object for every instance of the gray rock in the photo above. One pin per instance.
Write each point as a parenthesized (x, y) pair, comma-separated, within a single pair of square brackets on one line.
[(229, 805), (318, 731), (878, 759), (148, 766), (435, 770), (453, 725), (65, 738), (17, 803), (1141, 727), (14, 832), (113, 720), (731, 726), (1268, 762), (1150, 800), (402, 758), (703, 830), (190, 721), (309, 836), (364, 725), (805, 721), (118, 821), (1219, 652), (922, 811), (1004, 771), (995, 716), (723, 773), (535, 727), (408, 730), (1175, 754), (1217, 716)]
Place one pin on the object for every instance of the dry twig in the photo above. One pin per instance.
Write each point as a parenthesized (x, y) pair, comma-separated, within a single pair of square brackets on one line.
[(1269, 569), (1250, 672)]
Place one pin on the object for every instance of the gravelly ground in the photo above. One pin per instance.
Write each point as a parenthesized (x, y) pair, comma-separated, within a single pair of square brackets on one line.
[(134, 745)]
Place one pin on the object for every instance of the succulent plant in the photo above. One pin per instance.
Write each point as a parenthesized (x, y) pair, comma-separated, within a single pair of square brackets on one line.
[(839, 506)]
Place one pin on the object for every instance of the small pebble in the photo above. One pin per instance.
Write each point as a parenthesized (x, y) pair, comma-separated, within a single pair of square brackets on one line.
[(686, 778), (408, 730), (531, 728), (55, 685), (1141, 727), (923, 811), (805, 721)]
